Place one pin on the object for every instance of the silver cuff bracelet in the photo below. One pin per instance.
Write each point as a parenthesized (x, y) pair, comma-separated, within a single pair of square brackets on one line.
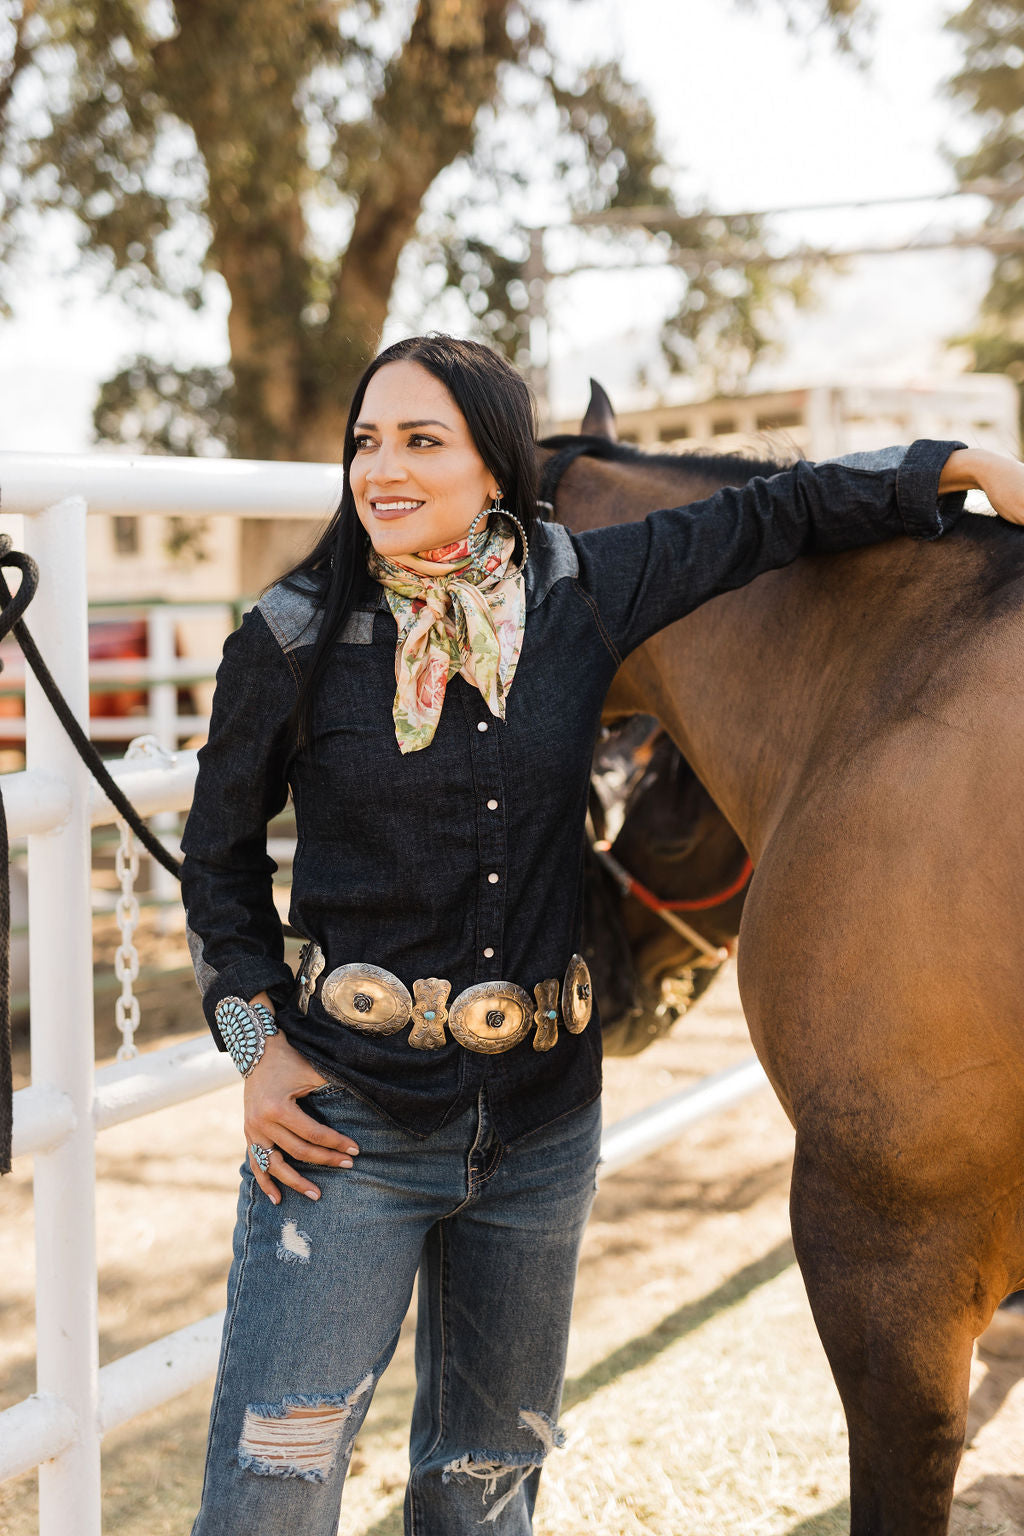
[(244, 1028)]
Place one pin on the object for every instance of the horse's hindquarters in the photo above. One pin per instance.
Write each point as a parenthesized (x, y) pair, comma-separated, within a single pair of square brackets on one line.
[(880, 968)]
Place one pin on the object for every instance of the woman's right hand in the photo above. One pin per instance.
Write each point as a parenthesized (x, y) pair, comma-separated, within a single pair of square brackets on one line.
[(274, 1119)]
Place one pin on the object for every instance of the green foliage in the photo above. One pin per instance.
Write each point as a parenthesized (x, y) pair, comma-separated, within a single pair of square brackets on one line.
[(991, 84), (150, 408)]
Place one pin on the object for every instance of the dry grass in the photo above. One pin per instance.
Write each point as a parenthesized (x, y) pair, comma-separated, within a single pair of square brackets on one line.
[(698, 1399)]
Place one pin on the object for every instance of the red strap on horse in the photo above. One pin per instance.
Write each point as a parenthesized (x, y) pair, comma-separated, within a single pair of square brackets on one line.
[(700, 904), (704, 902)]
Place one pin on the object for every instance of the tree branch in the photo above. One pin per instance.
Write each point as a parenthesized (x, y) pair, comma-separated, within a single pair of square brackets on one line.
[(425, 117)]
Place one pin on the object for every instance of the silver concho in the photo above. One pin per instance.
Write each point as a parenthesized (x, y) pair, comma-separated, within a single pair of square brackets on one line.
[(429, 1014), (491, 1017), (311, 963), (546, 1015), (577, 999), (367, 998)]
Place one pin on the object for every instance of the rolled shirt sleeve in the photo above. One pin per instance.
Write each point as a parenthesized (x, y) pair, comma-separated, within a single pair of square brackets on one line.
[(643, 576), (234, 933)]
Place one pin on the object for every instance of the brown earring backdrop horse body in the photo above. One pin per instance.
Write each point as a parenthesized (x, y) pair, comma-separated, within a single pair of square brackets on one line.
[(860, 721)]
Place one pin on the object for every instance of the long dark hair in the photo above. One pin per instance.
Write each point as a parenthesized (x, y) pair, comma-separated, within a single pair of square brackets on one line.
[(499, 412)]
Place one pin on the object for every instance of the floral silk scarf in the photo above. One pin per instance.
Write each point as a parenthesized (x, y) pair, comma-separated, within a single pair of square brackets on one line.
[(462, 609)]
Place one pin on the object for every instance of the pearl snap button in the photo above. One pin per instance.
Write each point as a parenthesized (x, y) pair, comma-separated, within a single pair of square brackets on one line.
[(488, 953), (481, 725), (492, 805), (492, 878)]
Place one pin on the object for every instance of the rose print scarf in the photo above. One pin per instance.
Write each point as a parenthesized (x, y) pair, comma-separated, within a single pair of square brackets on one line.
[(458, 609)]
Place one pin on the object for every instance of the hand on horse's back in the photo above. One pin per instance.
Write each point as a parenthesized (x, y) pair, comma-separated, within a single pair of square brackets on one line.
[(998, 476)]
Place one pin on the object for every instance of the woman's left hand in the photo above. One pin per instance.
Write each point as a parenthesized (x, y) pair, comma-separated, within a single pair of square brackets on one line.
[(998, 476)]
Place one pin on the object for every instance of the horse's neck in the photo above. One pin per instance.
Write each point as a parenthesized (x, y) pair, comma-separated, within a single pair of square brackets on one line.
[(734, 685), (731, 683), (772, 686), (781, 685)]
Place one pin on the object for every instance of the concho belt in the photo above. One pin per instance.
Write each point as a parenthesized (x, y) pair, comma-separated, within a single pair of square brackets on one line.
[(490, 1017)]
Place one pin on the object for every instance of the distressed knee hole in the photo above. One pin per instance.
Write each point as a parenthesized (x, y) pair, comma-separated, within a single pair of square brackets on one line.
[(547, 1431), (491, 1468), (294, 1246), (300, 1436)]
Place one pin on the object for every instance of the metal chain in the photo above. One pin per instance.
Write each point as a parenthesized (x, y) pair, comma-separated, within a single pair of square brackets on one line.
[(126, 959), (126, 865)]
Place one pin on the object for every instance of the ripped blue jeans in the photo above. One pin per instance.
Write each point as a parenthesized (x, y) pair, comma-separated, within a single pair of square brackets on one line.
[(317, 1294)]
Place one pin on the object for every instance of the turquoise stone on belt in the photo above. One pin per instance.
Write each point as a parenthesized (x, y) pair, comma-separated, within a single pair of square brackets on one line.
[(429, 1013), (546, 1015)]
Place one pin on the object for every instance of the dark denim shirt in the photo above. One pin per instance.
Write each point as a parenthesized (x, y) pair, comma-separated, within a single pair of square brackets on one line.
[(395, 856)]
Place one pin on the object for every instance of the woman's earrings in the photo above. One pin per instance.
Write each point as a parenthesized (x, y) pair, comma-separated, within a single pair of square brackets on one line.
[(522, 532), (497, 508)]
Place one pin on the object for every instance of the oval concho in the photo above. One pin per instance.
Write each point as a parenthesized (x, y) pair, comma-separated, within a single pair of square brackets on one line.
[(493, 1016), (577, 999), (367, 998)]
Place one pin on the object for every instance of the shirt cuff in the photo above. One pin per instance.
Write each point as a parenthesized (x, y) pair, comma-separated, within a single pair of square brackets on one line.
[(245, 979), (926, 514)]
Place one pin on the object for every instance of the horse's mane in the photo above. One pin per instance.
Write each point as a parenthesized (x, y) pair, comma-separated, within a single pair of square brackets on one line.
[(725, 468), (988, 547)]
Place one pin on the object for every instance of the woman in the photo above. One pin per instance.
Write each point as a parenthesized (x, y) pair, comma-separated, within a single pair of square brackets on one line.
[(428, 1085)]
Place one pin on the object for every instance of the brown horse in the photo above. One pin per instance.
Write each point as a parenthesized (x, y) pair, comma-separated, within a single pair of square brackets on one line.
[(859, 719)]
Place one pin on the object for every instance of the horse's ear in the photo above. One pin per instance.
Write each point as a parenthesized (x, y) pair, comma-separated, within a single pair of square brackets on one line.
[(600, 418)]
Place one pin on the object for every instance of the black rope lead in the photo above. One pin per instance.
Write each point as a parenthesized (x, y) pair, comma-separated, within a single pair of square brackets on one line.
[(10, 619), (6, 1066), (14, 605), (11, 613)]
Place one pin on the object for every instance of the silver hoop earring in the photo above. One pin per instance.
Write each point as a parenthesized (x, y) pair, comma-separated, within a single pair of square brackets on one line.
[(522, 532), (484, 511)]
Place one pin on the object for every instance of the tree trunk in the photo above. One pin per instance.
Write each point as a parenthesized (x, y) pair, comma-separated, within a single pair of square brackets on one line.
[(236, 86)]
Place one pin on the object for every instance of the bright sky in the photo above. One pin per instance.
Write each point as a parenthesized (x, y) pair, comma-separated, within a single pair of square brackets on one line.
[(754, 116)]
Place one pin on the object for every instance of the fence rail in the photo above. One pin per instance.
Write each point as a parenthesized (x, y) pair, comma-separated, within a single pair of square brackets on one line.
[(54, 805)]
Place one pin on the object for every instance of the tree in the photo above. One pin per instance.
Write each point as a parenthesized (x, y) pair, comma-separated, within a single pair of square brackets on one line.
[(15, 56), (307, 151), (991, 83)]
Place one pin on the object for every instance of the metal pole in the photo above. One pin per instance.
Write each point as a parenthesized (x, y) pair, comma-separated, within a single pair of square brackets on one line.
[(163, 710), (60, 983), (656, 1125)]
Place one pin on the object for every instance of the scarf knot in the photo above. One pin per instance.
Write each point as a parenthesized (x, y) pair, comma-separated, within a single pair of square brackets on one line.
[(469, 617)]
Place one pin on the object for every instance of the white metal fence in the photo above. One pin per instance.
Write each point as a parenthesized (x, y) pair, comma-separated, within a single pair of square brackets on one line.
[(54, 805)]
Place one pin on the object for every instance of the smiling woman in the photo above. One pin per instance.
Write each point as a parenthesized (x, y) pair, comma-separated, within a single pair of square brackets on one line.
[(418, 483), (428, 685)]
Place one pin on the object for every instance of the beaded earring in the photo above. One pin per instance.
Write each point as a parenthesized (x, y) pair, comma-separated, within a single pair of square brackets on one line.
[(497, 508), (522, 532)]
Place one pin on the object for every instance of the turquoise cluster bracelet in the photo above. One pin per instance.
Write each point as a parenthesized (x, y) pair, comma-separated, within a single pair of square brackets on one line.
[(244, 1028)]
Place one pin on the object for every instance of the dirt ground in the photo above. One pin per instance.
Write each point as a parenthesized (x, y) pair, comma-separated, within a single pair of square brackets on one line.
[(698, 1398)]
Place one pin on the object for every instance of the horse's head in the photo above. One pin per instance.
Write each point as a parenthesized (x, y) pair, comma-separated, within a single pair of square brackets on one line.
[(593, 478)]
